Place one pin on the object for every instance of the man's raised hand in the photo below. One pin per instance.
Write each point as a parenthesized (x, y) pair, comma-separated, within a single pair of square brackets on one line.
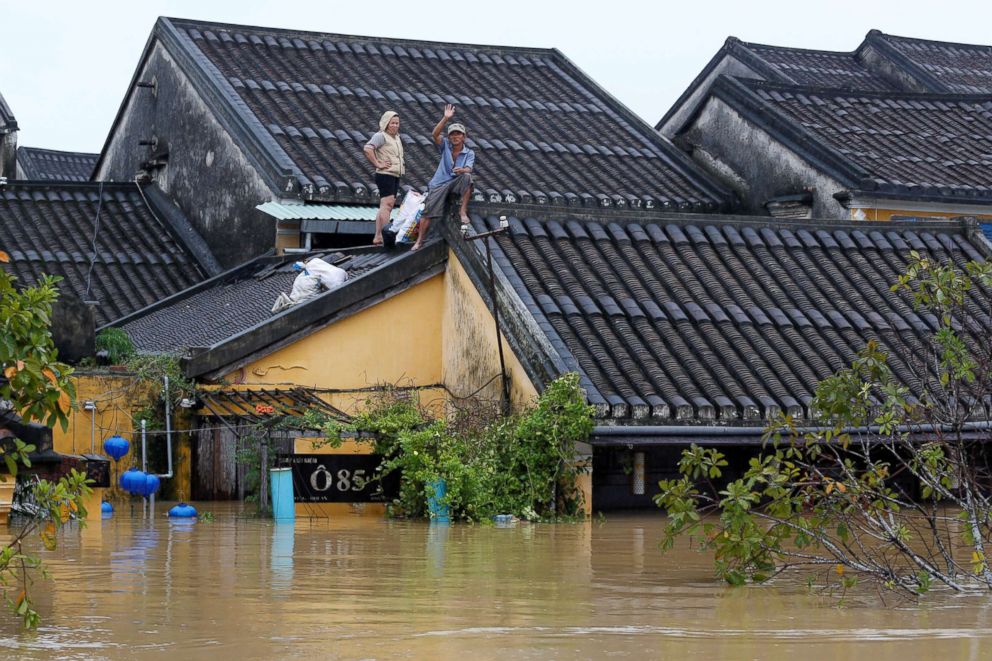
[(449, 111)]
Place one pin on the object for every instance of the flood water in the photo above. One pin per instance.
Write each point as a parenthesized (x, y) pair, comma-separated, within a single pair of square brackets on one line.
[(239, 588)]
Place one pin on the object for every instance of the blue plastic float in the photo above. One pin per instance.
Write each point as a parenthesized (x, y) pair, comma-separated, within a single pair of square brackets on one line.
[(182, 511), (106, 508)]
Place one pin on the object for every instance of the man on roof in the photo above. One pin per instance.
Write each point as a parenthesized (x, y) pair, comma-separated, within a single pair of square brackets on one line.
[(385, 152), (453, 174)]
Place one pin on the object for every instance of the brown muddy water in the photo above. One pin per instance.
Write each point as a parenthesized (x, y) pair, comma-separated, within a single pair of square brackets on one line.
[(239, 588)]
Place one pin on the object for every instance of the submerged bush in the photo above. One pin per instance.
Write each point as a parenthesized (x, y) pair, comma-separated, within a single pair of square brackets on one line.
[(521, 465)]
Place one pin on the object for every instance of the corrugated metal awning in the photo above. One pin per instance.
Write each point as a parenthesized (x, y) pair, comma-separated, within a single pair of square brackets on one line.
[(300, 211), (255, 405)]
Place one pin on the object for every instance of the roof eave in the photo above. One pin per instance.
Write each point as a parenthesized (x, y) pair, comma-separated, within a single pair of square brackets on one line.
[(884, 192)]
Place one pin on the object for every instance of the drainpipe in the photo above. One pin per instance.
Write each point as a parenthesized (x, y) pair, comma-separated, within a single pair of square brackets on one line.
[(168, 428), (168, 435)]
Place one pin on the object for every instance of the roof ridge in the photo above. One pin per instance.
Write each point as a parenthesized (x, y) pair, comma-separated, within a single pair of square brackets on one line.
[(86, 185), (883, 35), (545, 214), (797, 49), (191, 22), (44, 150), (838, 91)]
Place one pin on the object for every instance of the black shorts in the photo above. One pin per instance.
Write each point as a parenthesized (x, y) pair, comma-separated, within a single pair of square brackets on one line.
[(387, 184)]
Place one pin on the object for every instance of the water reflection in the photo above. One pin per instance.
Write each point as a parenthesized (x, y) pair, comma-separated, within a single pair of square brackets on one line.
[(281, 560), (437, 540), (362, 588)]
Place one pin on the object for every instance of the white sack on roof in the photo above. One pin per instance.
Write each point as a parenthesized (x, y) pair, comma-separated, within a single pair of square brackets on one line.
[(330, 276), (315, 275)]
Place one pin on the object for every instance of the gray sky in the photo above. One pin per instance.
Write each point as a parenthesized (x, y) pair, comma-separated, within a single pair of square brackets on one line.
[(64, 65)]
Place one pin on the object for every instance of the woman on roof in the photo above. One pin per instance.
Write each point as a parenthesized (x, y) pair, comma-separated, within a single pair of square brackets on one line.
[(385, 151)]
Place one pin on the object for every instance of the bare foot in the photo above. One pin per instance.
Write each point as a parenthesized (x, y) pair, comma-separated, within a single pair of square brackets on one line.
[(465, 219), (416, 246), (377, 242)]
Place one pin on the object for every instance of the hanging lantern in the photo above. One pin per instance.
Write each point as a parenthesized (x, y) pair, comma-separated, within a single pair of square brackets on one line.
[(151, 485), (133, 481), (116, 447), (183, 511)]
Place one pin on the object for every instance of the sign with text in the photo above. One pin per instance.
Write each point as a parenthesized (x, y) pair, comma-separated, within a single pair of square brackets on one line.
[(340, 478)]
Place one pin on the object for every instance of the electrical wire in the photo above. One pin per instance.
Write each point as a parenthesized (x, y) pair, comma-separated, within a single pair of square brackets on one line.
[(96, 234)]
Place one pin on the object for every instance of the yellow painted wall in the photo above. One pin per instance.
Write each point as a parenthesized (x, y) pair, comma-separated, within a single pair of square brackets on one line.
[(470, 356), (117, 397), (887, 214), (437, 332), (396, 342)]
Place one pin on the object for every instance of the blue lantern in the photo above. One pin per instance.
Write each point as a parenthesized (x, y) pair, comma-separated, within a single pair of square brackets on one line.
[(183, 511), (151, 485), (133, 481), (116, 447)]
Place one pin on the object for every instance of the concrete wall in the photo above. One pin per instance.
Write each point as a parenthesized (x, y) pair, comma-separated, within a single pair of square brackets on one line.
[(722, 139), (729, 66), (8, 154), (213, 181)]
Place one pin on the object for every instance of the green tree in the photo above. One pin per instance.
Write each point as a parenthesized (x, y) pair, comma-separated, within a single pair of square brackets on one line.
[(893, 485), (36, 387)]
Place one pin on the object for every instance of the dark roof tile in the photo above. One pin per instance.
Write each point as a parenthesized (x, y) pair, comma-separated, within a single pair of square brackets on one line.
[(538, 85), (905, 144), (233, 303), (736, 329), (138, 260), (51, 165)]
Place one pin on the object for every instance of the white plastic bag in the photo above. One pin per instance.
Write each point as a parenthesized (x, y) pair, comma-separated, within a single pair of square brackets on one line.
[(330, 276), (306, 285), (408, 217)]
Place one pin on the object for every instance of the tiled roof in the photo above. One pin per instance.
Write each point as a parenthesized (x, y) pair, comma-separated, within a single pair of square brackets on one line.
[(542, 130), (882, 63), (820, 68), (905, 144), (49, 228), (720, 320), (949, 67), (51, 165), (234, 302)]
